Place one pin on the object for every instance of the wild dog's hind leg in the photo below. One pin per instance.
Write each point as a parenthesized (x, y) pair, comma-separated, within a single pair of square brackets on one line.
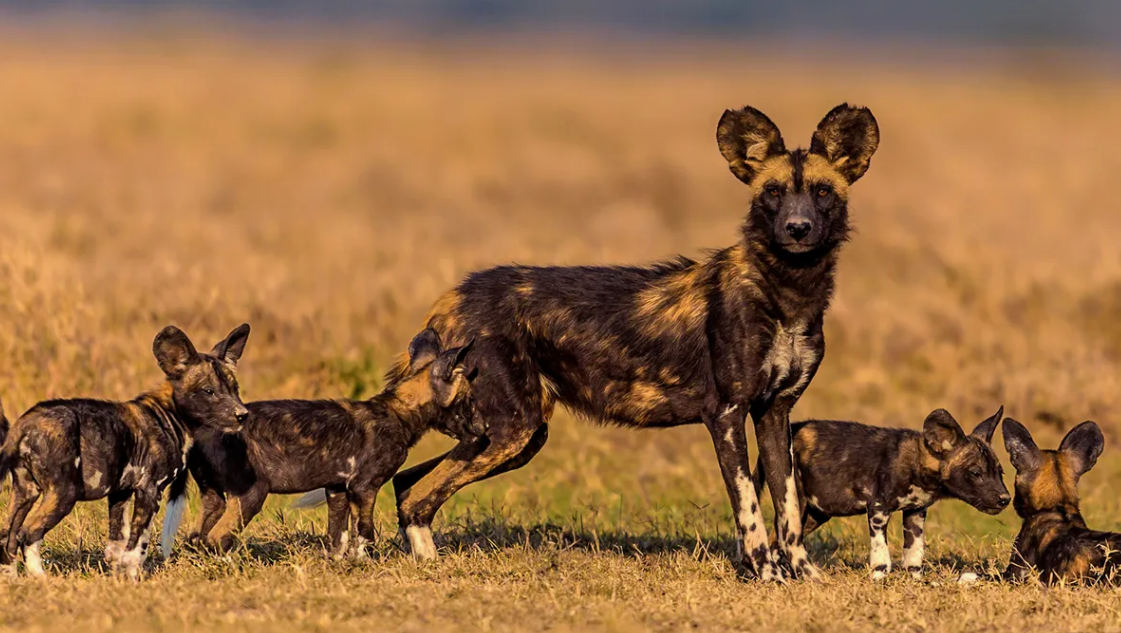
[(56, 503), (118, 529), (240, 510), (772, 430), (914, 541), (25, 492), (729, 437), (213, 503)]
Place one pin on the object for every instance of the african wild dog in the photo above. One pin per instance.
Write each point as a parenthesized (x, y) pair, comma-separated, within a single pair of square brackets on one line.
[(64, 451), (349, 447), (1054, 539), (847, 469), (680, 342)]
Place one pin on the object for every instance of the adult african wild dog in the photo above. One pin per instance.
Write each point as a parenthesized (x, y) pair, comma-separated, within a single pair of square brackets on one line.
[(1054, 539), (349, 447), (846, 469), (676, 343), (64, 451)]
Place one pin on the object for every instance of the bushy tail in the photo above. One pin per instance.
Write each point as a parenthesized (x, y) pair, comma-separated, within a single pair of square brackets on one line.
[(311, 499), (173, 516)]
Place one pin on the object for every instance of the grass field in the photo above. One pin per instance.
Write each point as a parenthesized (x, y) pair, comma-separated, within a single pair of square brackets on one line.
[(328, 193)]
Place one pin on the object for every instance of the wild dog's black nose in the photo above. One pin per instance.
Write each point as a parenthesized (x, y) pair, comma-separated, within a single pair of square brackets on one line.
[(1005, 499), (241, 417), (798, 229)]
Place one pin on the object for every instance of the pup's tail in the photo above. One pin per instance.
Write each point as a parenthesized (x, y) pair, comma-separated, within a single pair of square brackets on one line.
[(313, 499), (173, 516)]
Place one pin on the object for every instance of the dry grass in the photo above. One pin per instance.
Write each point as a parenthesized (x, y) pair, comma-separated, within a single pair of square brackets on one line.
[(328, 194)]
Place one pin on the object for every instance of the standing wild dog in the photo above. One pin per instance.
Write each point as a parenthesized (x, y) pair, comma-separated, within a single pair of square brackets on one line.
[(681, 342), (350, 448), (64, 451), (847, 469), (1054, 539)]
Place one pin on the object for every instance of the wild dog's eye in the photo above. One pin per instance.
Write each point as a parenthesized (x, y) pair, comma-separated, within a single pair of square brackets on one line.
[(976, 474), (824, 190), (773, 191), (208, 391)]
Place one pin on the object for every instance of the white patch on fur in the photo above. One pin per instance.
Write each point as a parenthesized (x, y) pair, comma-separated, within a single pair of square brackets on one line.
[(879, 555), (789, 351), (133, 476), (132, 561), (916, 498), (172, 517), (730, 436), (113, 551), (912, 556), (93, 481), (78, 462), (33, 559), (344, 546), (351, 470), (947, 445), (730, 409), (359, 552), (420, 542)]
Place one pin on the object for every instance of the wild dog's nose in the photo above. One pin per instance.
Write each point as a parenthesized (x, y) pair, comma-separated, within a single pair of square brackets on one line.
[(798, 229), (1005, 499), (242, 416)]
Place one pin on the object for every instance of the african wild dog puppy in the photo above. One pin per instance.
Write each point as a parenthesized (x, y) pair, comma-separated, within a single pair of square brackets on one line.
[(64, 451), (682, 342), (1054, 539), (847, 469), (348, 447)]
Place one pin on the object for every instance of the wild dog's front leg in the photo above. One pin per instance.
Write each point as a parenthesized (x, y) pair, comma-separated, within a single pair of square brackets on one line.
[(338, 523), (118, 529), (145, 505), (729, 437), (772, 430), (914, 542), (213, 503), (240, 510), (879, 556)]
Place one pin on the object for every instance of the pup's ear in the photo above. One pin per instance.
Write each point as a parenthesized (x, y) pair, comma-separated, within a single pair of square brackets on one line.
[(174, 351), (746, 137), (424, 348), (986, 429), (230, 348), (460, 355), (847, 137), (1082, 446), (941, 432), (1022, 451)]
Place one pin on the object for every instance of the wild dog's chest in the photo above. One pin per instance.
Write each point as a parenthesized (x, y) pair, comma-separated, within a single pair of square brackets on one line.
[(157, 466), (789, 360)]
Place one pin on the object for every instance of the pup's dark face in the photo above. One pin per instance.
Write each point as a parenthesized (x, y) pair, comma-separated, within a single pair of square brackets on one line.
[(800, 198), (969, 467), (440, 383), (1046, 479), (204, 386)]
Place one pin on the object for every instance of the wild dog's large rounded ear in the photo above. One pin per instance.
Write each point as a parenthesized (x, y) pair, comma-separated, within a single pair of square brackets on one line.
[(1082, 446), (985, 430), (1022, 451), (230, 348), (941, 432), (847, 137), (746, 137), (174, 351), (424, 348)]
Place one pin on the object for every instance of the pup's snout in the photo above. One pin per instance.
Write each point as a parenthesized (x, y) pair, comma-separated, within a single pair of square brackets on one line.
[(798, 229), (1004, 500), (242, 415)]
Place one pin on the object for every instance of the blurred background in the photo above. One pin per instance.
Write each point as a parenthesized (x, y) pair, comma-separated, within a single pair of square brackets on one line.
[(325, 170)]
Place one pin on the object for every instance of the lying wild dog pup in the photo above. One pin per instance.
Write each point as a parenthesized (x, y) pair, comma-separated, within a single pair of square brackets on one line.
[(348, 447), (1054, 539), (846, 469), (64, 451)]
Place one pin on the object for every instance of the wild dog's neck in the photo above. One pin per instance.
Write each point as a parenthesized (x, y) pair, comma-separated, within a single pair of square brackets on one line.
[(1045, 525), (1063, 513), (805, 280), (922, 466), (160, 402), (413, 418)]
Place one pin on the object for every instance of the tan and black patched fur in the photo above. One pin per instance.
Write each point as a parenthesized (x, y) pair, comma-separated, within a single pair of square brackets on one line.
[(682, 342), (350, 448), (848, 469), (1054, 539), (64, 451)]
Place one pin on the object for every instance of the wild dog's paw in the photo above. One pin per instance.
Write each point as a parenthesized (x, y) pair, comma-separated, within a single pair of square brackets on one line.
[(770, 572), (420, 542), (879, 572), (113, 552), (916, 572), (968, 578)]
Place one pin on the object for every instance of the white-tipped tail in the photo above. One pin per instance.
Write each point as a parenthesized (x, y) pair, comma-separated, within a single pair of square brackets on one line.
[(171, 520), (310, 500)]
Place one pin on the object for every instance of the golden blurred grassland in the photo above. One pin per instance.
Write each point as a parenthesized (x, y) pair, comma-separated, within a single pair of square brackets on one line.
[(328, 193)]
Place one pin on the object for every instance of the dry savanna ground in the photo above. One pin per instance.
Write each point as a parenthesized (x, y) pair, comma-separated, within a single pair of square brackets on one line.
[(328, 192)]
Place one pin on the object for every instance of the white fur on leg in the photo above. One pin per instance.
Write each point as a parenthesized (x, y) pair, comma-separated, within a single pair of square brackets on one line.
[(420, 542), (879, 554), (33, 560), (359, 551), (132, 561), (913, 555), (796, 553), (344, 545)]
